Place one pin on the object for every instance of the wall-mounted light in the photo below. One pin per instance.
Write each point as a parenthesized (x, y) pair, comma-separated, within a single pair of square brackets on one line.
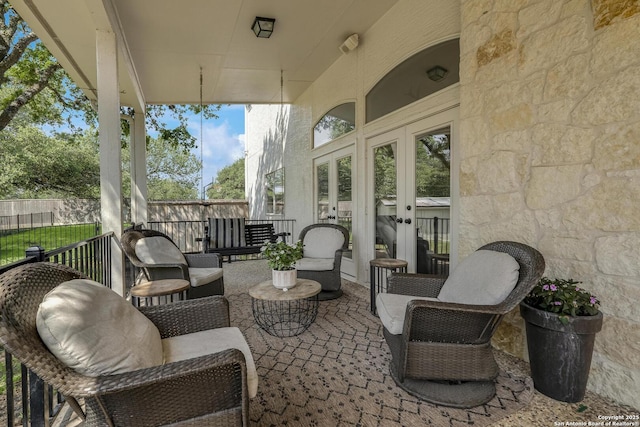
[(437, 73), (349, 44), (263, 27)]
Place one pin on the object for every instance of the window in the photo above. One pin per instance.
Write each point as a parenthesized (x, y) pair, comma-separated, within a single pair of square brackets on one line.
[(426, 72), (337, 122), (275, 192)]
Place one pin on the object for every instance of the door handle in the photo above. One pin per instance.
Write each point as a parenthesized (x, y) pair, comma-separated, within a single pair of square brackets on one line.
[(407, 221), (399, 220)]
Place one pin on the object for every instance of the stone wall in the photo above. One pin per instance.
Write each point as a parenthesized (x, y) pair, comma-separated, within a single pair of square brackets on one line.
[(550, 143)]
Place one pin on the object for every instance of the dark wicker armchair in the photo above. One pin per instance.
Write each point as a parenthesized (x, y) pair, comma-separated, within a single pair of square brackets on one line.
[(202, 270), (208, 390), (442, 351), (322, 258)]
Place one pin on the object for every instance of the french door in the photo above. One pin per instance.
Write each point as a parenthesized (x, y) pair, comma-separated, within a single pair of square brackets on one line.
[(335, 196), (410, 193)]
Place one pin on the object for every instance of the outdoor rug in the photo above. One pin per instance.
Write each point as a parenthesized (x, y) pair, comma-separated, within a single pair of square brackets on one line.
[(336, 373)]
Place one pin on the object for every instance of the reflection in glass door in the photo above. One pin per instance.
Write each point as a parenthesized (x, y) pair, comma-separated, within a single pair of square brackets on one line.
[(411, 194), (345, 199), (432, 200), (385, 191), (334, 196), (322, 192)]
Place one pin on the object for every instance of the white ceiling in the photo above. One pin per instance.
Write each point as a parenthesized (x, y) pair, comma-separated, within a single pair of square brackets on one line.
[(164, 43)]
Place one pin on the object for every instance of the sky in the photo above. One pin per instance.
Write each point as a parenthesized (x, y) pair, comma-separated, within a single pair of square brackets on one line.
[(222, 139)]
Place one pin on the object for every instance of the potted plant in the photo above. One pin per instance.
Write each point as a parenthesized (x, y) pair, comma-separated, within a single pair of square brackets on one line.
[(561, 320), (282, 257)]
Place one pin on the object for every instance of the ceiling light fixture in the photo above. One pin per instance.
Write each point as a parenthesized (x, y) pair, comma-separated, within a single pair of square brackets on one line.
[(263, 27), (437, 73)]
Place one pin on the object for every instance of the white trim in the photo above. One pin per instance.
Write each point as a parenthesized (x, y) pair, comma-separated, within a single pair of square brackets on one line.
[(139, 190), (403, 134), (110, 150)]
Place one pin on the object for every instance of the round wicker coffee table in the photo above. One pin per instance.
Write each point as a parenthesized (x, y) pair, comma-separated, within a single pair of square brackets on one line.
[(285, 313)]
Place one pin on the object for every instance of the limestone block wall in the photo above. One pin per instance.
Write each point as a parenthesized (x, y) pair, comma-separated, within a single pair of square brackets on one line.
[(550, 143)]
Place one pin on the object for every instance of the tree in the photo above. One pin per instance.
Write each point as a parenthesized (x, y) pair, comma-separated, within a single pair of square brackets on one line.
[(433, 166), (36, 91), (66, 165), (36, 165), (33, 82), (229, 183), (385, 173), (26, 70), (173, 172)]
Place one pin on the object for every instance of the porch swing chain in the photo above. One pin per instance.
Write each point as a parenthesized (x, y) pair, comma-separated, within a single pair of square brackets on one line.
[(201, 149)]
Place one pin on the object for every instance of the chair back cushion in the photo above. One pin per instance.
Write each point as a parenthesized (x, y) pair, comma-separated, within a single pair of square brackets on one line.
[(226, 233), (158, 250), (483, 278), (95, 331), (322, 242), (316, 264)]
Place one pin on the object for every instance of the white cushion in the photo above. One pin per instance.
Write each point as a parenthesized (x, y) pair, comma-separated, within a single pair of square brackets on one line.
[(202, 276), (391, 310), (95, 331), (322, 242), (158, 250), (483, 278), (315, 264), (211, 341)]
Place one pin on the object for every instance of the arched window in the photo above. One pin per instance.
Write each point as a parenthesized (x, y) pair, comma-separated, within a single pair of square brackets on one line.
[(337, 122), (424, 73)]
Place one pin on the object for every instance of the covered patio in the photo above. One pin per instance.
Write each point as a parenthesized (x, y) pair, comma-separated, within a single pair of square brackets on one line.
[(541, 117), (336, 373)]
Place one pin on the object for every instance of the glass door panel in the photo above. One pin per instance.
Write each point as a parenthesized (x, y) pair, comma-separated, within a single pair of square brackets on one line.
[(322, 192), (335, 196), (345, 199), (432, 200), (385, 195), (410, 193)]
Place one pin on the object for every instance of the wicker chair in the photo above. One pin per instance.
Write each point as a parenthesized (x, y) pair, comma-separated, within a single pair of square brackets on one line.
[(202, 270), (209, 390), (322, 257), (442, 354)]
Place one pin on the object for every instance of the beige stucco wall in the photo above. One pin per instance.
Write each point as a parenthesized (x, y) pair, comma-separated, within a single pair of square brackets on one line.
[(550, 143), (409, 27), (549, 148)]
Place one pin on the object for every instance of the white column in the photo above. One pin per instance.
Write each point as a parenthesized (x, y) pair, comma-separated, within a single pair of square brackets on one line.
[(139, 170), (110, 151)]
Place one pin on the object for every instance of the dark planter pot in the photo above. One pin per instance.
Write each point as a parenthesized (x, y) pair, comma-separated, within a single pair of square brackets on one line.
[(559, 354)]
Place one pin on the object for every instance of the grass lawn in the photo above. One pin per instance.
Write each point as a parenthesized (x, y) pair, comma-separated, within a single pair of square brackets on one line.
[(14, 243)]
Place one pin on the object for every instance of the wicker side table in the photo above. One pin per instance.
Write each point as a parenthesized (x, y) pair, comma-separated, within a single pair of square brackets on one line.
[(285, 313), (159, 291), (379, 270)]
